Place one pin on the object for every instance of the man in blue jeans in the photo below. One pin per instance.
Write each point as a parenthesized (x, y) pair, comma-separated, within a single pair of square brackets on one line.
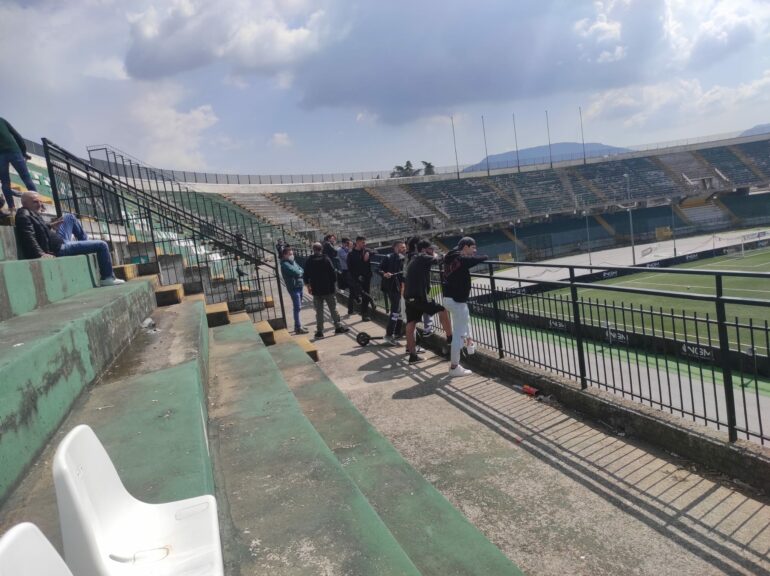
[(36, 239), (13, 152), (292, 277)]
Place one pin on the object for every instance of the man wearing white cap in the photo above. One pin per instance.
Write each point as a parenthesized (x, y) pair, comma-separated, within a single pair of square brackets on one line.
[(456, 287)]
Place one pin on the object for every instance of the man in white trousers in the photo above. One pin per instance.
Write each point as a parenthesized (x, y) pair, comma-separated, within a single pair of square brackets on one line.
[(456, 287)]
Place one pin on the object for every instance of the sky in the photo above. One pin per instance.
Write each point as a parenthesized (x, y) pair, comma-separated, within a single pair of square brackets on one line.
[(301, 86)]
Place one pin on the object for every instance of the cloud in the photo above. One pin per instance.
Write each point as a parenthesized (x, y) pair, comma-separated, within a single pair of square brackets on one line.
[(676, 101), (280, 140), (106, 68), (701, 34), (256, 36), (170, 137)]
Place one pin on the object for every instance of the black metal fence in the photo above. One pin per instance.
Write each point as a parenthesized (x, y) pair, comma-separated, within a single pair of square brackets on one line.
[(699, 353), (185, 240)]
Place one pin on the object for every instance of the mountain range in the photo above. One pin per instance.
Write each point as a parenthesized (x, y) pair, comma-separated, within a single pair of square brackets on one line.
[(560, 151)]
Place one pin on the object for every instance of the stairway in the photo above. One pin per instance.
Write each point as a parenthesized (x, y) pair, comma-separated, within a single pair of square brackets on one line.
[(303, 482)]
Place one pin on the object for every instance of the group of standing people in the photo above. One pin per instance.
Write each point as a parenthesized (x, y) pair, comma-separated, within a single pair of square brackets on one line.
[(405, 282)]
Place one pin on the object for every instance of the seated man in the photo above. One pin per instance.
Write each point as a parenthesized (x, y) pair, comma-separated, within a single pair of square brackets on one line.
[(37, 239)]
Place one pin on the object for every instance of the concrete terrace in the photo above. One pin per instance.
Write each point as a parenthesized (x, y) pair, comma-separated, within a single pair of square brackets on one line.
[(356, 465), (556, 493)]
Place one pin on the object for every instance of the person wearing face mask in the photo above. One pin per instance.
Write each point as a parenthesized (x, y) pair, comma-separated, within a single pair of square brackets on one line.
[(392, 272), (292, 277)]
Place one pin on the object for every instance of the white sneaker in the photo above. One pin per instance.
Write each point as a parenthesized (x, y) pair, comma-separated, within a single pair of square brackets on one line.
[(459, 371), (389, 340), (111, 282)]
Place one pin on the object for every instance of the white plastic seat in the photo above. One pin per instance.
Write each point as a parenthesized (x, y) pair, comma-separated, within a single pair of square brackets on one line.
[(106, 531), (25, 551)]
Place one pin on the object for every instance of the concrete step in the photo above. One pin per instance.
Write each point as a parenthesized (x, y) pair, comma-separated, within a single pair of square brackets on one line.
[(282, 336), (49, 355), (126, 271), (266, 332), (7, 243), (169, 295), (289, 507), (149, 410), (27, 285), (437, 537), (217, 314)]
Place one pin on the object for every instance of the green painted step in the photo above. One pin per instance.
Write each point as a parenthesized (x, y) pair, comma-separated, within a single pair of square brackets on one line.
[(287, 506), (149, 411), (48, 356), (435, 535), (7, 243), (26, 285)]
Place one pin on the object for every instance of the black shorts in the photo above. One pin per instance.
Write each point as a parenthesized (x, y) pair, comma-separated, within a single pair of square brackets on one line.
[(416, 308)]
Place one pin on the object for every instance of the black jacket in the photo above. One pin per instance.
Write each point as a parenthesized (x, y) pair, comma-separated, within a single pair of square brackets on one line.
[(356, 265), (331, 252), (320, 275), (456, 277), (394, 265), (34, 236), (418, 277)]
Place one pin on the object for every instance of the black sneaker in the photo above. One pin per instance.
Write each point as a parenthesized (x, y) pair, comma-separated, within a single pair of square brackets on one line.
[(365, 318), (414, 358), (318, 335), (341, 329)]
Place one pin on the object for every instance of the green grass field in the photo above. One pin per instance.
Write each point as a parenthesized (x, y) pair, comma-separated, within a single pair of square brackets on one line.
[(669, 315)]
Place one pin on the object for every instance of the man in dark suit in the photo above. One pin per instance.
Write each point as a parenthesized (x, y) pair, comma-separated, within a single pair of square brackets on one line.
[(36, 239)]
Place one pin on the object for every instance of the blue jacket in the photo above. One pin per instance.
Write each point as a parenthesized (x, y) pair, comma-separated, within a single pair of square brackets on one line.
[(292, 275)]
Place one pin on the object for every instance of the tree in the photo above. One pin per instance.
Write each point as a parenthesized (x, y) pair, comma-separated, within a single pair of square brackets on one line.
[(405, 171), (428, 168)]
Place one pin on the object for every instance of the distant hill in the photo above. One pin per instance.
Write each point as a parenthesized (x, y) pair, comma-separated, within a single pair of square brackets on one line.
[(758, 129), (540, 155)]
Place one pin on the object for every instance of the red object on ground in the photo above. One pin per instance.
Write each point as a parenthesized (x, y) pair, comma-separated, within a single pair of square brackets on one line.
[(527, 389)]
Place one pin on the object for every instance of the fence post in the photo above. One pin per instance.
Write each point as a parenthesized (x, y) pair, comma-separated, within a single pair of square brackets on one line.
[(496, 312), (724, 353), (578, 329)]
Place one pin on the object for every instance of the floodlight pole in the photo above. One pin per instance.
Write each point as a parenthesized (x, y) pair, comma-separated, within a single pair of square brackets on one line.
[(454, 141), (516, 250), (548, 131), (588, 239), (673, 230), (486, 152), (516, 142), (630, 217), (582, 136)]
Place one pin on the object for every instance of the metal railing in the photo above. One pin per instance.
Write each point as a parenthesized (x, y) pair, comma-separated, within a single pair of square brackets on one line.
[(698, 352), (184, 242)]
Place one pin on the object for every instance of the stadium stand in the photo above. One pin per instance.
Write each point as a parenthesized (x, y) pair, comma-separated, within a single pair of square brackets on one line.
[(725, 160), (150, 410), (756, 155), (747, 207)]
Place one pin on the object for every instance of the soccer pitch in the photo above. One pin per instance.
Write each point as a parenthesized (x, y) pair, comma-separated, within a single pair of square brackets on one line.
[(671, 314)]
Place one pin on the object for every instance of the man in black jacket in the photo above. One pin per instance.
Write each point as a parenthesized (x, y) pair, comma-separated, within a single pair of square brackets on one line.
[(36, 239), (392, 271), (417, 296), (330, 251), (456, 287), (320, 278), (361, 275)]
